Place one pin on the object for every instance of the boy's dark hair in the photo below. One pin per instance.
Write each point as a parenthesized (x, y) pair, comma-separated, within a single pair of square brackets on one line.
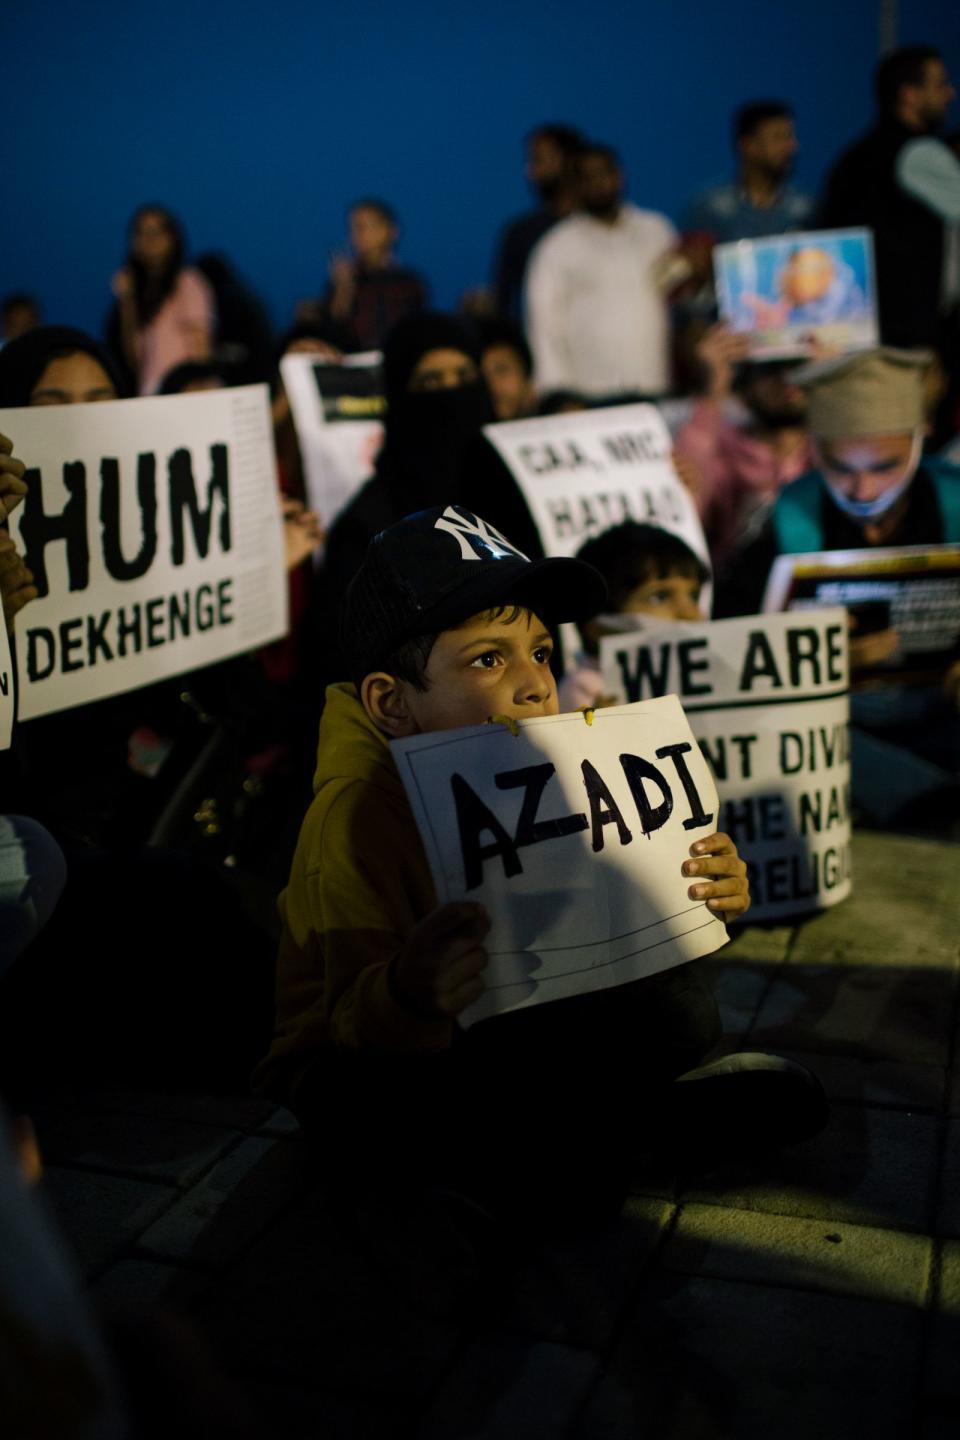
[(380, 207), (410, 660), (901, 67), (630, 554), (565, 137), (497, 330), (16, 302), (748, 118), (607, 152)]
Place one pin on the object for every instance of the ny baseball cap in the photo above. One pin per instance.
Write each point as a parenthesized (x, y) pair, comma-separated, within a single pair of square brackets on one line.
[(434, 569)]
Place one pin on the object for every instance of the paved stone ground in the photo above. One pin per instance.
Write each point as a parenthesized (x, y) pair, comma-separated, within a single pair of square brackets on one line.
[(815, 1297)]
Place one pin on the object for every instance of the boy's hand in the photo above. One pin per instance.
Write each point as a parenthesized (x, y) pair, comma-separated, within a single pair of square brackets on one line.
[(439, 971), (728, 893), (13, 487)]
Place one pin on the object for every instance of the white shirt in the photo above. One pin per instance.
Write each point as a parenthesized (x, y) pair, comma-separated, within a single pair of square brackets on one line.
[(596, 320)]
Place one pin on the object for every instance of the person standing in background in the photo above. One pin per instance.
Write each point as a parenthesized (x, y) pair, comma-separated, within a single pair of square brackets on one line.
[(598, 321), (165, 311), (552, 152)]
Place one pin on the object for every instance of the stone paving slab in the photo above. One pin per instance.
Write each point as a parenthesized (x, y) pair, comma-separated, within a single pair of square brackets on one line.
[(232, 1204), (810, 1254), (704, 1358), (231, 1112), (177, 1151), (101, 1215), (739, 989), (298, 1414), (883, 1013), (868, 1167), (572, 1292), (948, 1215), (901, 1084), (148, 1283), (941, 1375), (508, 1388), (305, 1301), (761, 945)]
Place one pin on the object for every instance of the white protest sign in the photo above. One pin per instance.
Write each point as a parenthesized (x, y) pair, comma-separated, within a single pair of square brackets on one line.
[(338, 409), (584, 472), (767, 699), (154, 534), (573, 837), (8, 697)]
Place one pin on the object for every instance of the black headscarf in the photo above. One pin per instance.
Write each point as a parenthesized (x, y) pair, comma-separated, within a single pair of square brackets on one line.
[(429, 434), (23, 361)]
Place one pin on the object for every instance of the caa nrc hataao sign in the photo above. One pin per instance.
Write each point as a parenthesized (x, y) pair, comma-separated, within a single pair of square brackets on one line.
[(153, 531), (573, 837), (584, 472), (767, 699)]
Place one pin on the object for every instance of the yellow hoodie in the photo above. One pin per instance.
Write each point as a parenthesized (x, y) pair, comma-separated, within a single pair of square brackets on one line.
[(358, 885)]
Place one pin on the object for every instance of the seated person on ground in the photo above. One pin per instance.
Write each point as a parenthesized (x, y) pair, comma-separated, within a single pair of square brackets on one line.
[(648, 571), (440, 634), (872, 486)]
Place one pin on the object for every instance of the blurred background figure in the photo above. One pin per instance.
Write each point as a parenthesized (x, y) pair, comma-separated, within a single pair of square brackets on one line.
[(165, 310), (760, 200), (598, 321), (18, 314), (507, 366), (552, 152), (904, 183), (369, 291), (244, 336)]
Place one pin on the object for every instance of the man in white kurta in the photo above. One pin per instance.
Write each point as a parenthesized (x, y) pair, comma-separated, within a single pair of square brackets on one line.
[(597, 319)]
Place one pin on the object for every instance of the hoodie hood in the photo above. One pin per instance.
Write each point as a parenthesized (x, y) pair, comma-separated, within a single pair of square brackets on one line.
[(350, 745)]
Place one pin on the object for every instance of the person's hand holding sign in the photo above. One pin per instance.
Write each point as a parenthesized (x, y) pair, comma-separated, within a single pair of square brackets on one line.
[(722, 876), (13, 487), (439, 971), (16, 581)]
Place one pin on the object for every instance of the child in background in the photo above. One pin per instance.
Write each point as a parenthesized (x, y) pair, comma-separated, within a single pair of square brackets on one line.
[(648, 572)]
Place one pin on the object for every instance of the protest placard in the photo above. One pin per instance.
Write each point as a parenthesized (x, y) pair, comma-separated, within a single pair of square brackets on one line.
[(785, 291), (8, 698), (766, 697), (573, 837), (338, 409), (583, 472), (912, 589), (153, 531)]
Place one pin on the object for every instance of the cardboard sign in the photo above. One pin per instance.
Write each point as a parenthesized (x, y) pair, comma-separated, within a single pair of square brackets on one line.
[(153, 531), (338, 411), (584, 472), (787, 290), (8, 697), (914, 590), (572, 836), (767, 700)]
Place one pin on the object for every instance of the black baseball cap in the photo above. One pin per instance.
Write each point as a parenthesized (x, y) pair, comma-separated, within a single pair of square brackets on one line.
[(434, 569)]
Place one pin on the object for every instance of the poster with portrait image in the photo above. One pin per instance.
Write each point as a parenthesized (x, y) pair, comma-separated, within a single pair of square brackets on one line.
[(913, 590), (572, 835), (338, 409), (767, 698), (154, 534), (787, 291)]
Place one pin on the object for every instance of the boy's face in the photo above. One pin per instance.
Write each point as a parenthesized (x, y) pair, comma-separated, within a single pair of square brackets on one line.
[(490, 665), (674, 597)]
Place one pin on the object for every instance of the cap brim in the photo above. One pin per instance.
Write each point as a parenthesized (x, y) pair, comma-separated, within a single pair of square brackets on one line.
[(556, 589)]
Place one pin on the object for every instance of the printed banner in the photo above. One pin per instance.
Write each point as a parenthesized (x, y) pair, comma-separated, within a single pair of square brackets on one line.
[(584, 472), (153, 531), (788, 290), (8, 694), (914, 590), (766, 697), (338, 411), (573, 837)]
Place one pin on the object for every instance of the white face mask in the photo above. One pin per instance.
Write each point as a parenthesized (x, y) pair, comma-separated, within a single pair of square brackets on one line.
[(875, 509)]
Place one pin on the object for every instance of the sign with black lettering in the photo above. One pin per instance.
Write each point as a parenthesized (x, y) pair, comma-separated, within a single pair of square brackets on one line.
[(338, 409), (767, 698), (573, 837), (585, 472), (912, 590), (153, 531), (7, 688)]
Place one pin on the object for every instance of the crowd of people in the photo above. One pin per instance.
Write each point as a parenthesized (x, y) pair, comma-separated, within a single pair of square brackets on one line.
[(594, 301)]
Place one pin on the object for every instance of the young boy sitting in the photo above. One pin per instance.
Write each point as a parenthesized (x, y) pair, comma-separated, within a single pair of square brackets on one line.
[(648, 572), (447, 625)]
